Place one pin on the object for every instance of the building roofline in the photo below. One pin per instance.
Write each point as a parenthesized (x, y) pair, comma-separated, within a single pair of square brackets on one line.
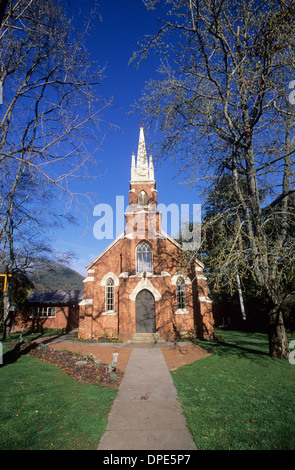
[(122, 235), (105, 250), (56, 296), (179, 246)]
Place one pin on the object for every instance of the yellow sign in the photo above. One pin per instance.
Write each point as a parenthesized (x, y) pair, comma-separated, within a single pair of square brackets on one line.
[(6, 275)]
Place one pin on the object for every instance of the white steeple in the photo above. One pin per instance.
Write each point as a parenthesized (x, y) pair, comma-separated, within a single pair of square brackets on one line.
[(142, 171), (151, 168)]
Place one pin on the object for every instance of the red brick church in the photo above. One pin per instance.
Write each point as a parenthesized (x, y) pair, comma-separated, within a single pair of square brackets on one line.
[(141, 282)]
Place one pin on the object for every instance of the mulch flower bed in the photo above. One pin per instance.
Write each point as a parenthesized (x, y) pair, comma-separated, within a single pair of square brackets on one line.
[(81, 368)]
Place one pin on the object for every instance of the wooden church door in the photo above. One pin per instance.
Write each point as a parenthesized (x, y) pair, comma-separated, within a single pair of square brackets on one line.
[(145, 312)]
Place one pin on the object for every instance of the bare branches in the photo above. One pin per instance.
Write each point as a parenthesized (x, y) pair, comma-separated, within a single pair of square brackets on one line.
[(222, 106), (50, 119)]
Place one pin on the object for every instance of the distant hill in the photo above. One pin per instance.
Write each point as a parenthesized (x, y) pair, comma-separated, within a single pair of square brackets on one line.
[(56, 276)]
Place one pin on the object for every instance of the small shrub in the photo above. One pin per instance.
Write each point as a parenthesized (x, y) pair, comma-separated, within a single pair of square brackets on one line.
[(89, 357), (114, 377)]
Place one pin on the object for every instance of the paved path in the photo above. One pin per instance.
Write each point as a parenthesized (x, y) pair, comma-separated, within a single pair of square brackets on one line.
[(146, 415), (175, 356)]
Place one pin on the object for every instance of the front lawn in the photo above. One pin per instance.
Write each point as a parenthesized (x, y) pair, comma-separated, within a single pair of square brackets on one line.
[(239, 397), (43, 408)]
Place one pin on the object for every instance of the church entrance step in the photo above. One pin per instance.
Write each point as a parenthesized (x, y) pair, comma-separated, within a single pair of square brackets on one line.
[(146, 338)]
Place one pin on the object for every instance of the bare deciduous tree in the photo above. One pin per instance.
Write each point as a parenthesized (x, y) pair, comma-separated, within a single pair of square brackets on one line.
[(50, 119)]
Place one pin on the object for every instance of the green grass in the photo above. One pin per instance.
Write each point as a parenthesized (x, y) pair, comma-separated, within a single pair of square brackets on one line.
[(239, 398), (43, 408)]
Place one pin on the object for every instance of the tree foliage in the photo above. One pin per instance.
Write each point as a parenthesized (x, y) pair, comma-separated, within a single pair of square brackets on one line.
[(222, 107)]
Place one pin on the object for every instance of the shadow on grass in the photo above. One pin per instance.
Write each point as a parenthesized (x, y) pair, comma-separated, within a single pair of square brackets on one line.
[(18, 350), (20, 347), (238, 344)]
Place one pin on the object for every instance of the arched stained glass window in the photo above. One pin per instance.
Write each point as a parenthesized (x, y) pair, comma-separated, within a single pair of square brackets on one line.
[(144, 258), (110, 295), (180, 293), (143, 198)]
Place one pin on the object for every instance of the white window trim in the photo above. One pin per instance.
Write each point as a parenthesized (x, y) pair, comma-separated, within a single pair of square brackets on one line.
[(113, 297), (108, 276), (145, 283), (39, 309), (180, 310), (152, 257), (175, 277)]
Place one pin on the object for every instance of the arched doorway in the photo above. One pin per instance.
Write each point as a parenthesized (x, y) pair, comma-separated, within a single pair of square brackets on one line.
[(145, 312)]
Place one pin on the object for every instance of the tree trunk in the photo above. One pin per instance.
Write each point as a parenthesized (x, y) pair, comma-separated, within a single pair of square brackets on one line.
[(278, 345), (5, 312)]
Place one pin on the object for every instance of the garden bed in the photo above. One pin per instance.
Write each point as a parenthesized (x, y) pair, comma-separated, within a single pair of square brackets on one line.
[(81, 368)]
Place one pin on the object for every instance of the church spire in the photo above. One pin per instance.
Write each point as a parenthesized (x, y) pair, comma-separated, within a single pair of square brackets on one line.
[(141, 152), (143, 170)]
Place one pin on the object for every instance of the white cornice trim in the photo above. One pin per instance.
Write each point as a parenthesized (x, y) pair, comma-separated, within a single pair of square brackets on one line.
[(142, 182), (204, 299), (86, 302)]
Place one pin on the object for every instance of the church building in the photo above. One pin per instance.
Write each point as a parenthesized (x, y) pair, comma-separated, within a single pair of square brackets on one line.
[(141, 284)]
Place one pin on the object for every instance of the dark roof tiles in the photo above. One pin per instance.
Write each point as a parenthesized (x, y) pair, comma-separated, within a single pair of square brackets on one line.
[(56, 297)]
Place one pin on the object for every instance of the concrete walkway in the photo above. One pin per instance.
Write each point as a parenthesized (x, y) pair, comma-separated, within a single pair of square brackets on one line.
[(146, 414)]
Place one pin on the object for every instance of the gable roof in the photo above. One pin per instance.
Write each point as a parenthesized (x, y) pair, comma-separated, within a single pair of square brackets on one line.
[(56, 296), (120, 237), (180, 247), (105, 251)]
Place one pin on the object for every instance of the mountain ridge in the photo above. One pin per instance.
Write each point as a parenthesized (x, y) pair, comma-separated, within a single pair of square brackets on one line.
[(57, 276)]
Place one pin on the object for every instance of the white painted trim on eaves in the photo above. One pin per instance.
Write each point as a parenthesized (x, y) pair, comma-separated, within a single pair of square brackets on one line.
[(106, 250), (86, 302)]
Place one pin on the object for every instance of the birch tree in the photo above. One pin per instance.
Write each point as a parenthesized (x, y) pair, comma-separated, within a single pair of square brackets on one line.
[(222, 105)]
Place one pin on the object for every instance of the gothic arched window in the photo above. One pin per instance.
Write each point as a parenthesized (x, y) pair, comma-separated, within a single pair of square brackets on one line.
[(110, 295), (144, 258), (143, 198), (180, 294)]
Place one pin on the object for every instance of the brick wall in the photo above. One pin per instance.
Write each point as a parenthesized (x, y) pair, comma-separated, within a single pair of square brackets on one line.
[(120, 259), (65, 317)]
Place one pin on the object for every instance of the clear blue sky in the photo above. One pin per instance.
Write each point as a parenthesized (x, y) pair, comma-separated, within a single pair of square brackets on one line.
[(112, 44)]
